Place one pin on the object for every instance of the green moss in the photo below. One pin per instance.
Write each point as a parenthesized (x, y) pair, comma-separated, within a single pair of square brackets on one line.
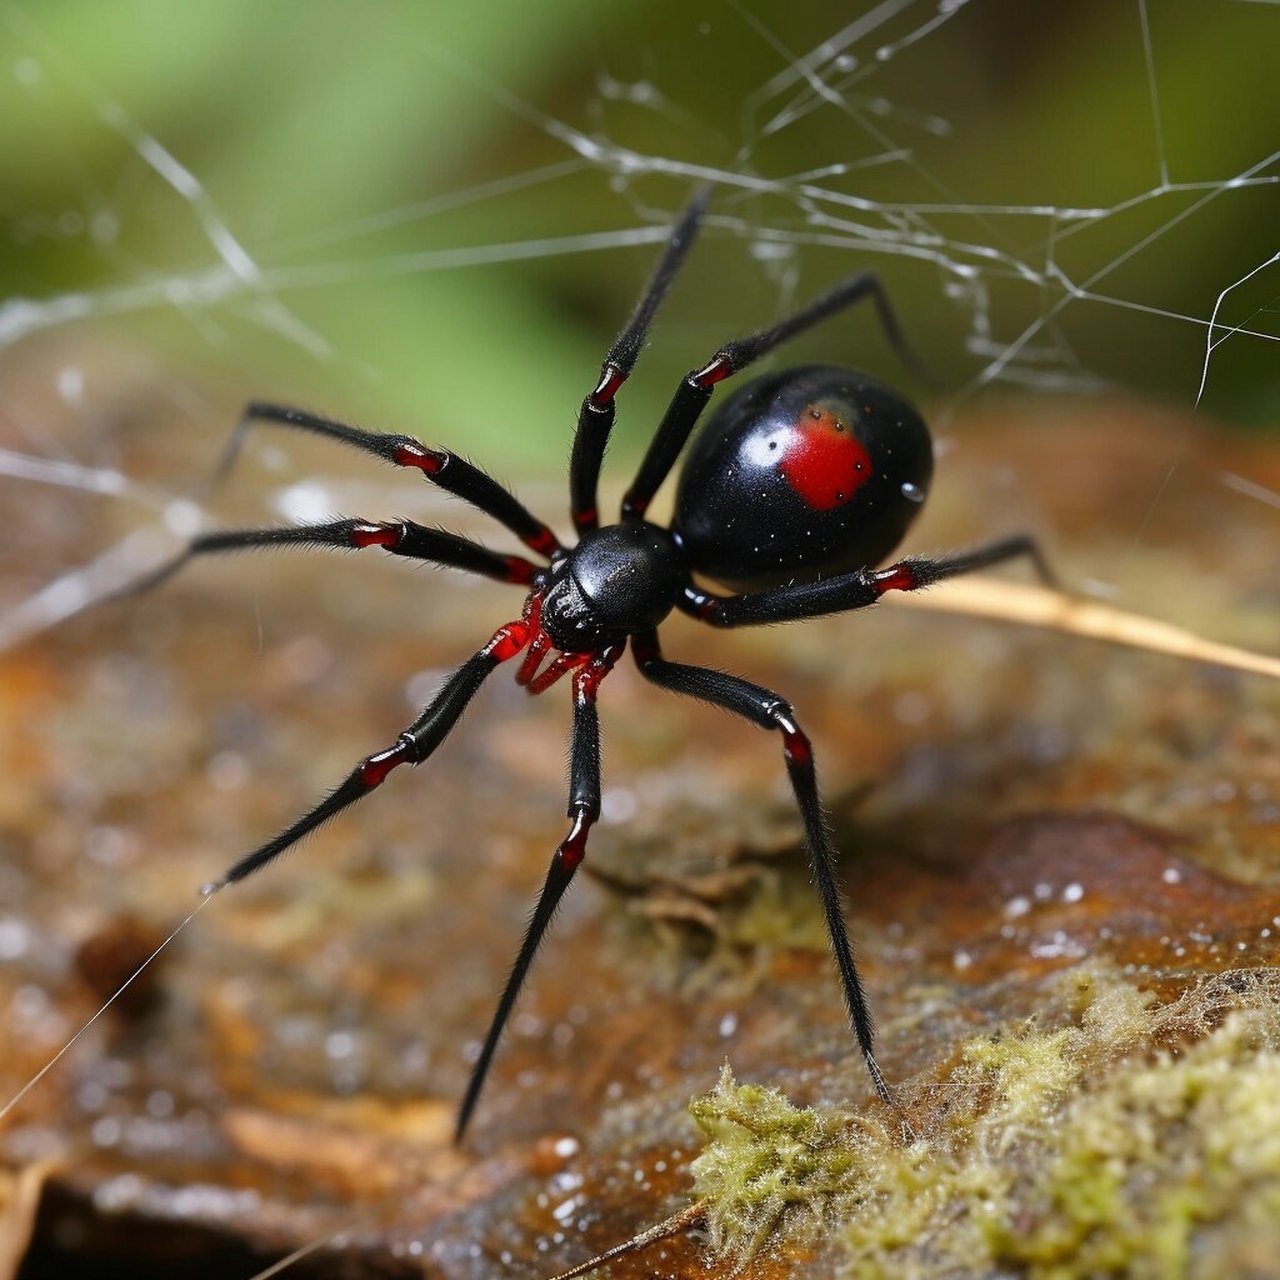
[(779, 913), (1137, 1141), (766, 1158), (1139, 1164)]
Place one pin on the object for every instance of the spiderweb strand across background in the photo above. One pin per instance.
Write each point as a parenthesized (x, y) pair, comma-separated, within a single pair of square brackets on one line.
[(1082, 201)]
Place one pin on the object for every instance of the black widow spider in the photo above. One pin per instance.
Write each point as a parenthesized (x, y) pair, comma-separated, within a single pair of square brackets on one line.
[(801, 481)]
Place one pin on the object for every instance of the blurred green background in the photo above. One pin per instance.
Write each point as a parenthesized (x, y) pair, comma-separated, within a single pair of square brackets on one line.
[(446, 209)]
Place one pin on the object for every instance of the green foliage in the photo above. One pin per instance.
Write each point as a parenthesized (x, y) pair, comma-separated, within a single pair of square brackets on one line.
[(381, 166)]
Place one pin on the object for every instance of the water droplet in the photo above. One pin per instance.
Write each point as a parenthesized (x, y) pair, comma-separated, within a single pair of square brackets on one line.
[(70, 384), (912, 492)]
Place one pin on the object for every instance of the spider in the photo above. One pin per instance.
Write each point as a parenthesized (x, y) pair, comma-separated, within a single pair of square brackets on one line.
[(799, 483)]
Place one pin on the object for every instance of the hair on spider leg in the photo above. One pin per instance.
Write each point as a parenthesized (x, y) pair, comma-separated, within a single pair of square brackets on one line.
[(792, 491)]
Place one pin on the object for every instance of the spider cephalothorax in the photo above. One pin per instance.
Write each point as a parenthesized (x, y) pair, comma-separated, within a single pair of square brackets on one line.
[(614, 582), (792, 492)]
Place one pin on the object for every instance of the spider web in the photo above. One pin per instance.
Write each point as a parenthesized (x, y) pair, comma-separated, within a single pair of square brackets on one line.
[(1051, 242), (1043, 282)]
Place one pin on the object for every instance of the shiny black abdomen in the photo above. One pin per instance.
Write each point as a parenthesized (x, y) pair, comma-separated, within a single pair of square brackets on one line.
[(801, 474)]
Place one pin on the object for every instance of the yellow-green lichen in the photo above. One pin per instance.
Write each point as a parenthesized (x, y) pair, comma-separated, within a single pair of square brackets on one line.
[(1139, 1140)]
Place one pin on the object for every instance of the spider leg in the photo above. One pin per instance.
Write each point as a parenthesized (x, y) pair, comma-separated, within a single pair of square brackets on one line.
[(855, 590), (400, 537), (694, 392), (413, 746), (765, 708), (595, 418), (441, 466), (584, 809)]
